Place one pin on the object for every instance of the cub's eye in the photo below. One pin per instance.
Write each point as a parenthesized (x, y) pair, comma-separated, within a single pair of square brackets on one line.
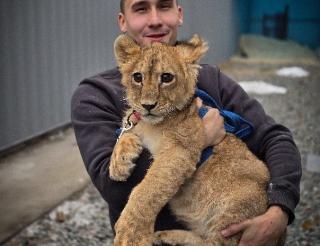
[(137, 77), (166, 77)]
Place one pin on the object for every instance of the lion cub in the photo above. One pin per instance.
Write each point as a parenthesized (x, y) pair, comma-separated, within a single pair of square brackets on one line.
[(229, 187)]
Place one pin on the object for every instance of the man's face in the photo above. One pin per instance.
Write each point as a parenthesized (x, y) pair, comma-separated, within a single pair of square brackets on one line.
[(149, 21)]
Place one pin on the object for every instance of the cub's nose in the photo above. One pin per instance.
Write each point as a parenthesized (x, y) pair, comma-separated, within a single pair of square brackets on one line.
[(149, 106)]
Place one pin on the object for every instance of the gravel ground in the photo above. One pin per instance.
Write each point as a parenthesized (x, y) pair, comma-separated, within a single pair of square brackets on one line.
[(82, 219)]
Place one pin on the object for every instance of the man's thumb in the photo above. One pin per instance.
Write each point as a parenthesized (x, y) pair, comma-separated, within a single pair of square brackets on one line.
[(234, 229)]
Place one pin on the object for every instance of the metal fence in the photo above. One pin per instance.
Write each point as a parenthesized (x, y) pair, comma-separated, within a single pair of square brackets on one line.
[(48, 46)]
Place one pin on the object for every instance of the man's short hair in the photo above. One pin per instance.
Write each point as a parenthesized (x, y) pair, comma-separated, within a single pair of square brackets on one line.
[(122, 5)]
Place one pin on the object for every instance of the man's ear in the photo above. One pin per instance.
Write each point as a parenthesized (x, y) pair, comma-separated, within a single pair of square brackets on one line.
[(125, 47), (122, 23), (192, 50)]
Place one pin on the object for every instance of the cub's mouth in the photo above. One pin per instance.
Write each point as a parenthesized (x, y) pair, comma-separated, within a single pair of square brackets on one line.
[(152, 118), (150, 115)]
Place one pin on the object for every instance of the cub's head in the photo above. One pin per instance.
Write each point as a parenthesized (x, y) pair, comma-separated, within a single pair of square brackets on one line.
[(159, 79)]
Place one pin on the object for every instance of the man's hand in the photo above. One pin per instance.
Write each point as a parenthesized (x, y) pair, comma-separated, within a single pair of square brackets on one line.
[(264, 230), (214, 127)]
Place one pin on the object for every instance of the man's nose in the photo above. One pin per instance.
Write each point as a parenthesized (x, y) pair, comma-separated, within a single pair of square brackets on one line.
[(155, 19)]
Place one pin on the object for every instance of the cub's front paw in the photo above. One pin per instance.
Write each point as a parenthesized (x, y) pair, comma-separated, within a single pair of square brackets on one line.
[(132, 239), (127, 149), (129, 232)]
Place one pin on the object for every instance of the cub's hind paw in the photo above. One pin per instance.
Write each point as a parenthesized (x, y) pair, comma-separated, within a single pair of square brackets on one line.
[(163, 238), (177, 237), (127, 149)]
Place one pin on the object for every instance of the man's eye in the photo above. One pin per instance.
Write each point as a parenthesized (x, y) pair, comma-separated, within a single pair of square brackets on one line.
[(140, 9), (166, 77), (166, 5), (137, 77)]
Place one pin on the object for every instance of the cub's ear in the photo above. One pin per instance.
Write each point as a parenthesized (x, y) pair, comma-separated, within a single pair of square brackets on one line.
[(192, 50), (124, 48)]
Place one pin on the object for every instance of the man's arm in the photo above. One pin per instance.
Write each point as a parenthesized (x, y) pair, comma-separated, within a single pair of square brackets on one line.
[(270, 141), (96, 110), (95, 119)]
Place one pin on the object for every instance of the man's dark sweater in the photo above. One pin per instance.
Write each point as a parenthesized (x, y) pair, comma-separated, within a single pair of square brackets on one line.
[(97, 108)]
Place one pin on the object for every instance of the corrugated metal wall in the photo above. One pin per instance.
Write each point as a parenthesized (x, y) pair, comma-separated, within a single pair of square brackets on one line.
[(217, 21), (48, 46)]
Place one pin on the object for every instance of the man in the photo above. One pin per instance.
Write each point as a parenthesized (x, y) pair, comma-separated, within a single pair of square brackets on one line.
[(97, 107)]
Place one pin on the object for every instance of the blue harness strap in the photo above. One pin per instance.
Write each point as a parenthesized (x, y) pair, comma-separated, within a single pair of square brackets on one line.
[(233, 122)]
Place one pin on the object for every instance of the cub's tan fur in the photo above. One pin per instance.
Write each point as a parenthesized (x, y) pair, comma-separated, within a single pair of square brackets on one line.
[(228, 188)]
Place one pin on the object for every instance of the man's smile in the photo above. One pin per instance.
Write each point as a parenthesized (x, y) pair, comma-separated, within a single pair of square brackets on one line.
[(156, 36)]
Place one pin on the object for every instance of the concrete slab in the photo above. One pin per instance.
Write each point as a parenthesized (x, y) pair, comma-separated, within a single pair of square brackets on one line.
[(37, 178), (313, 163)]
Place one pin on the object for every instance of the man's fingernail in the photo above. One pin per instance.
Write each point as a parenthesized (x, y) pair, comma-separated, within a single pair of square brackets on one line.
[(224, 233)]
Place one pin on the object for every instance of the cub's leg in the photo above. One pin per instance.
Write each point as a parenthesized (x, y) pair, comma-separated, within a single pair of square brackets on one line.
[(136, 222), (178, 237), (126, 150), (189, 238)]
